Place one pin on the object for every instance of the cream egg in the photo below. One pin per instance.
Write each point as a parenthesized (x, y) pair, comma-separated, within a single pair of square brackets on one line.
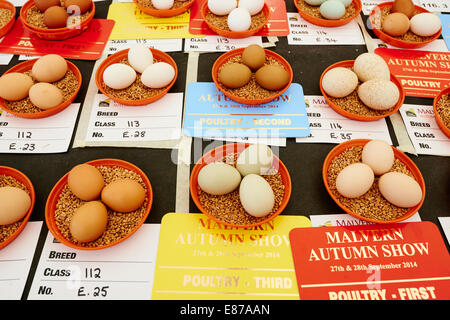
[(45, 95), (123, 195), (140, 57), (119, 76), (221, 7), (425, 24), (158, 75), (218, 178), (253, 6), (369, 66), (354, 180), (15, 86), (400, 189), (379, 94), (378, 155), (49, 68), (89, 221), (256, 195), (14, 204), (256, 159), (239, 20), (339, 82), (85, 181), (162, 4)]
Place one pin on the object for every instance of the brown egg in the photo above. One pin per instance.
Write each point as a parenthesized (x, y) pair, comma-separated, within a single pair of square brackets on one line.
[(15, 86), (84, 5), (14, 204), (404, 6), (43, 5), (89, 221), (396, 24), (49, 68), (235, 75), (45, 95), (254, 56), (55, 17), (123, 195), (272, 77), (85, 181)]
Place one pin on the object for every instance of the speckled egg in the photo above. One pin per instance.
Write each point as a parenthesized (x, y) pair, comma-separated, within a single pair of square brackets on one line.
[(339, 82), (332, 9), (15, 86), (369, 66), (425, 24), (379, 94)]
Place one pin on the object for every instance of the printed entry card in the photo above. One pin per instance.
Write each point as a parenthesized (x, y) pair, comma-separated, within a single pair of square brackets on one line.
[(209, 113), (201, 259), (403, 261)]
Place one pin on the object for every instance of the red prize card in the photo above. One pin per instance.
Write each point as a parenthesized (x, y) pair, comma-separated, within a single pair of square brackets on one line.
[(278, 24), (87, 46), (422, 73), (404, 261)]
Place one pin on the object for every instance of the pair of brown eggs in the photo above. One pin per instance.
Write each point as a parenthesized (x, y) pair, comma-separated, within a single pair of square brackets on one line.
[(269, 76), (56, 15)]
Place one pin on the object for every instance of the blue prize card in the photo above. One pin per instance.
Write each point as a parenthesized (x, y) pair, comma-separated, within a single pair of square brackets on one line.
[(445, 20), (209, 113)]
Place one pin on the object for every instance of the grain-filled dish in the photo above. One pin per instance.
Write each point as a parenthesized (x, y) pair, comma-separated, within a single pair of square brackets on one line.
[(100, 204), (48, 84), (364, 89), (139, 75), (55, 14), (403, 21), (237, 16), (163, 4), (327, 9), (241, 188), (443, 110), (5, 16), (253, 75), (371, 182)]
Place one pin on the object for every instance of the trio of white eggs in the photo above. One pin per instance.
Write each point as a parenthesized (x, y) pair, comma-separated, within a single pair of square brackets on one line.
[(239, 14), (153, 75), (377, 159), (255, 193)]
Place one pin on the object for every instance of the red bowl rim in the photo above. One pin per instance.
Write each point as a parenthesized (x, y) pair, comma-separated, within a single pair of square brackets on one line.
[(224, 149), (22, 178), (234, 34), (114, 58), (353, 116), (326, 22), (56, 191), (27, 65), (392, 40), (439, 121), (398, 155), (235, 52)]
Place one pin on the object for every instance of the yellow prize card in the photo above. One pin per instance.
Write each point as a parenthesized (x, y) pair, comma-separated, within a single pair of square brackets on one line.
[(132, 23), (201, 259)]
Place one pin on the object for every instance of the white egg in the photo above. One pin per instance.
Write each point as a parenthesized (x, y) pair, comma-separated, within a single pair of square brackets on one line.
[(158, 75), (119, 76), (221, 7), (253, 6), (256, 159), (378, 155), (239, 20), (256, 195), (425, 24), (140, 57), (354, 180), (218, 178), (162, 4), (400, 189)]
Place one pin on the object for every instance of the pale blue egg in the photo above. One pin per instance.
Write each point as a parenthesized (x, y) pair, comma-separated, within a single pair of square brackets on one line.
[(346, 3), (332, 9), (315, 2)]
